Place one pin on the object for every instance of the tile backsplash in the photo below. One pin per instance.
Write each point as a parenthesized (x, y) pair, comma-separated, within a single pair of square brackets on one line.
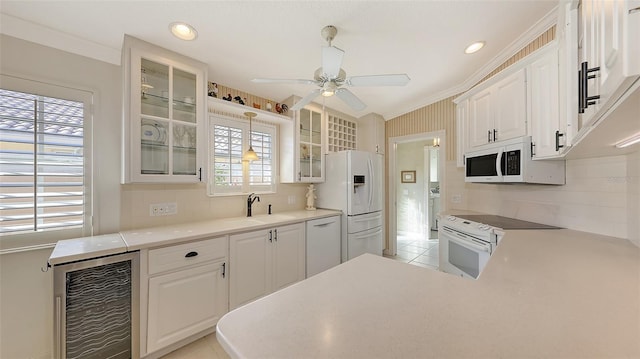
[(193, 204), (601, 196)]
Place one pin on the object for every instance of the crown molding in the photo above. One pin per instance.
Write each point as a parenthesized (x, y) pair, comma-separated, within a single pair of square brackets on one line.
[(39, 34)]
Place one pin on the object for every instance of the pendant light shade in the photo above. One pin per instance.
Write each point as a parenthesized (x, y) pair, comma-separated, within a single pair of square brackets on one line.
[(250, 155)]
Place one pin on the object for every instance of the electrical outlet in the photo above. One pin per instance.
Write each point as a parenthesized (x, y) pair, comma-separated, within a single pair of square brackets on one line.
[(291, 199), (456, 198), (163, 209)]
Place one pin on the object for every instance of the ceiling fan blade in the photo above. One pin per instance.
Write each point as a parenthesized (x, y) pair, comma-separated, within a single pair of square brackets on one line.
[(379, 80), (350, 99), (331, 61), (305, 100), (284, 81)]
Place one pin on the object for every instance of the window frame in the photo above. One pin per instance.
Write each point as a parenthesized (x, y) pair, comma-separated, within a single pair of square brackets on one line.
[(11, 242), (243, 124)]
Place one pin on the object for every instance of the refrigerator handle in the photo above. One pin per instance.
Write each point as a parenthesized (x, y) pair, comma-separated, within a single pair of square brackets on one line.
[(371, 179)]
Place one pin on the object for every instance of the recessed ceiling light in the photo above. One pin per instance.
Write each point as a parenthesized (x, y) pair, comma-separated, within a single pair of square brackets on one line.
[(474, 47), (183, 31)]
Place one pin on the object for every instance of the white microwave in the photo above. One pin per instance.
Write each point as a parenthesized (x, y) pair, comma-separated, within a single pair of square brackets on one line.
[(511, 162)]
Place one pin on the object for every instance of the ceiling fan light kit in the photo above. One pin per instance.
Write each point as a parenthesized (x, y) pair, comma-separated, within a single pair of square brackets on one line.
[(330, 77)]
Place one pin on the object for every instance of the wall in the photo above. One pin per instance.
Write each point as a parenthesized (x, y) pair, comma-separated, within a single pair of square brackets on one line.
[(600, 196), (26, 300)]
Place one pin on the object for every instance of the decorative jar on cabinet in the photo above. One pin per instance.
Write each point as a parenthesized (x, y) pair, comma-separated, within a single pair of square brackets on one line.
[(165, 107)]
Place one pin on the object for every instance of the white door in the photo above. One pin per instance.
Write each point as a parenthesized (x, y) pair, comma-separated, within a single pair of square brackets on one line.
[(369, 241), (545, 119), (184, 303), (509, 98), (250, 264), (288, 255), (481, 121), (359, 195)]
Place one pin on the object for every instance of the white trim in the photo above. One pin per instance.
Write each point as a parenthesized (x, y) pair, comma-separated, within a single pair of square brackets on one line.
[(39, 34), (27, 248)]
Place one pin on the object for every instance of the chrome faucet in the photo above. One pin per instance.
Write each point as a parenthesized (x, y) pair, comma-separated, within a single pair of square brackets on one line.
[(250, 202)]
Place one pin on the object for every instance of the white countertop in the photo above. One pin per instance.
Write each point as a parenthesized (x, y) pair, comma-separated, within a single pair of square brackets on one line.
[(544, 293), (98, 246)]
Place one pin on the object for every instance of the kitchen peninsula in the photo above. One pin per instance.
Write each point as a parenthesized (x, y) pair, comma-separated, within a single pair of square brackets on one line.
[(560, 293)]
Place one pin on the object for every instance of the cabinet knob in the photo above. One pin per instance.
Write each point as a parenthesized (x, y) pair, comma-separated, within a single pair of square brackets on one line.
[(191, 254)]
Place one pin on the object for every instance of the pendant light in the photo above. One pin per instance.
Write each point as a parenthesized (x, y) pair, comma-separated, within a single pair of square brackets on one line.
[(250, 155)]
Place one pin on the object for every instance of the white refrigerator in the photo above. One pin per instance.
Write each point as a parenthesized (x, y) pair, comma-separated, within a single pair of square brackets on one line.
[(354, 184)]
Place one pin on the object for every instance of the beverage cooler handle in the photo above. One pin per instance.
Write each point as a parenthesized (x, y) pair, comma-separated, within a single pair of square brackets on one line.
[(58, 329)]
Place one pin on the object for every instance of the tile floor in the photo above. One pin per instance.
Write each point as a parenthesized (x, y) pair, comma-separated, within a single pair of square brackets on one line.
[(205, 347), (417, 251)]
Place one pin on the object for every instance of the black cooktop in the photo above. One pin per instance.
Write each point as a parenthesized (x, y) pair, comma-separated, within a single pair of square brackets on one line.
[(504, 222)]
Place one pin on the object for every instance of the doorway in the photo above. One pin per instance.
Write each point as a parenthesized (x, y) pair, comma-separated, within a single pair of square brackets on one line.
[(415, 184)]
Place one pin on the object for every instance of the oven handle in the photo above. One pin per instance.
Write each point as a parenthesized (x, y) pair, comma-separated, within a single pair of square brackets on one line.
[(470, 245)]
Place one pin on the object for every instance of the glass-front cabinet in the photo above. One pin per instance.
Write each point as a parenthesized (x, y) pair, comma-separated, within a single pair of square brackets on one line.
[(303, 145), (310, 144), (166, 111)]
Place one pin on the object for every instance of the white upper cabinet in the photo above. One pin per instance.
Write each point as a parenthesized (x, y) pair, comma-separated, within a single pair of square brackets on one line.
[(547, 132), (371, 133), (608, 54), (498, 112), (462, 118), (165, 107), (303, 145)]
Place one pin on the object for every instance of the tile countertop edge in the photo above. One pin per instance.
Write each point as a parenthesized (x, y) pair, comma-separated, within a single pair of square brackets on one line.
[(71, 250), (76, 249)]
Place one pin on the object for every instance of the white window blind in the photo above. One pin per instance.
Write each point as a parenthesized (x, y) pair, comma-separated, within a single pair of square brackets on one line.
[(229, 174), (42, 171), (227, 159)]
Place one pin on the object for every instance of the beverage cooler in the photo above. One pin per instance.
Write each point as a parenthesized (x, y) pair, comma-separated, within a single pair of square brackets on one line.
[(96, 308)]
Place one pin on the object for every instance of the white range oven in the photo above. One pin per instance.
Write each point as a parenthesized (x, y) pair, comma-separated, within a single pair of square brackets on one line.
[(466, 246)]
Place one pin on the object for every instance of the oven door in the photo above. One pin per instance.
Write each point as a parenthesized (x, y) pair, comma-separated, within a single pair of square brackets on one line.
[(464, 255)]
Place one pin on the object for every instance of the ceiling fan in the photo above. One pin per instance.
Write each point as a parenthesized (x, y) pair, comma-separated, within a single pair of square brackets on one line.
[(331, 79)]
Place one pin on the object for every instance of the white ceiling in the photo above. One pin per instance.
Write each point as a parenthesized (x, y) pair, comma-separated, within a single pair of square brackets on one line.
[(242, 40)]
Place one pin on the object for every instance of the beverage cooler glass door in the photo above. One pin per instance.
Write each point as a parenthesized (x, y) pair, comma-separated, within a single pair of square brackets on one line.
[(96, 308)]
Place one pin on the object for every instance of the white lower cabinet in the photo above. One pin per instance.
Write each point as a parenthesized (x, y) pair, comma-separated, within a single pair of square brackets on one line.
[(264, 261), (187, 290)]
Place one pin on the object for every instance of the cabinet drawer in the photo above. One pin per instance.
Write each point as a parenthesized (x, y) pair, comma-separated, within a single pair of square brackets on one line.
[(183, 255)]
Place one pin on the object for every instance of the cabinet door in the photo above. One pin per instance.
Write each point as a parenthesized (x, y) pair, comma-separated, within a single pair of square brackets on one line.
[(166, 106), (288, 255), (250, 267), (184, 303), (611, 56), (509, 101), (589, 50), (311, 145), (462, 137), (481, 121), (544, 115)]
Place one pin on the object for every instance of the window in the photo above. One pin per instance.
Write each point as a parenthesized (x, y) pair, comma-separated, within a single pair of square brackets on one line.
[(43, 181), (229, 175)]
